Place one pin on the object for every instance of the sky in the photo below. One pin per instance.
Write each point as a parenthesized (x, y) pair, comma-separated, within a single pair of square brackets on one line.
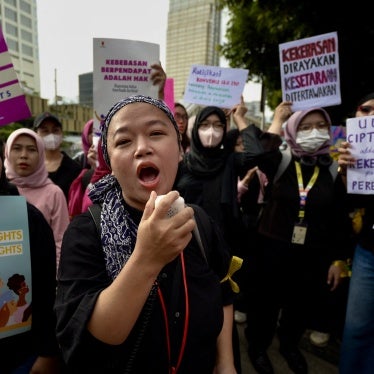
[(66, 30)]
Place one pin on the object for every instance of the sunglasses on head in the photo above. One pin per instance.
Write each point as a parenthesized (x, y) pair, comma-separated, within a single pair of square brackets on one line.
[(365, 109)]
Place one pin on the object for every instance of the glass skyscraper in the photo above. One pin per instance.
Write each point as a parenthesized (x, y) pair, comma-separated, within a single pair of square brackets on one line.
[(193, 34)]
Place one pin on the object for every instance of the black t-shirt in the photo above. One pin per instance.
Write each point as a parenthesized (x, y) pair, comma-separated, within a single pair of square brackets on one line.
[(65, 174), (83, 276)]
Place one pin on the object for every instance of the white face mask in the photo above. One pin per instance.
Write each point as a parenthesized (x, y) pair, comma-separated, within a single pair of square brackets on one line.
[(52, 141), (310, 141), (210, 137)]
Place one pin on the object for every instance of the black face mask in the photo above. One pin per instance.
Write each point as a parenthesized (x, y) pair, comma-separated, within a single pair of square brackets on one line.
[(322, 160)]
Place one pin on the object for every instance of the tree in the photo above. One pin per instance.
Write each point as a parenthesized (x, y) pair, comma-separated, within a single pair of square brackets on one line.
[(257, 27)]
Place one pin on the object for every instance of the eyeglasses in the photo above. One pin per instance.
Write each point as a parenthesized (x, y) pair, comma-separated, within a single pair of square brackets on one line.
[(180, 117), (216, 125), (365, 109), (309, 126)]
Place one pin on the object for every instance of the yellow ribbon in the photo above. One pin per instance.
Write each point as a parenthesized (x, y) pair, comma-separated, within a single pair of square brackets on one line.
[(357, 219), (235, 265), (345, 268)]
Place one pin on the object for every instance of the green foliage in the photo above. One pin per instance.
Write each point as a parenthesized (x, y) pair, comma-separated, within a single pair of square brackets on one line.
[(257, 27), (253, 34), (5, 131)]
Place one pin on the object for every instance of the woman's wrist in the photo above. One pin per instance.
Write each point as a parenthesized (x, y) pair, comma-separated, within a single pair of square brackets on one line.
[(342, 170)]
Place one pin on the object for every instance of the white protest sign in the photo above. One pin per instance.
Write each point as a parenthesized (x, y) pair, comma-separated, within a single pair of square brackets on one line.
[(310, 72), (360, 135), (122, 68), (213, 85)]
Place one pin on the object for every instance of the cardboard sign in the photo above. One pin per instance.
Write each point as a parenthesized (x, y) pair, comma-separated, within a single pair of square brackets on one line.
[(360, 135), (310, 72), (122, 68), (13, 106), (213, 85)]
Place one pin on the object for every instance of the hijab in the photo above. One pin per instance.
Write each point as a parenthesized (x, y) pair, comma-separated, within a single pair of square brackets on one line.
[(87, 130), (364, 99), (104, 125), (203, 161), (39, 177), (102, 169), (290, 131)]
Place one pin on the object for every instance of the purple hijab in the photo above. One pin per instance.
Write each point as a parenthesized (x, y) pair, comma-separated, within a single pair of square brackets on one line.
[(290, 131)]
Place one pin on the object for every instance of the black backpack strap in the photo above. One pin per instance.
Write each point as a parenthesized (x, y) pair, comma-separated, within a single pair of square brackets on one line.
[(86, 178), (95, 211)]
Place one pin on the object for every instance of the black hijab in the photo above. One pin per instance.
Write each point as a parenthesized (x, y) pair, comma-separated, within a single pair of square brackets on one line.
[(201, 160)]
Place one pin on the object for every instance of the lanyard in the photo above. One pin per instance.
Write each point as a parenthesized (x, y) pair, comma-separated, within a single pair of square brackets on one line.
[(174, 368), (303, 192)]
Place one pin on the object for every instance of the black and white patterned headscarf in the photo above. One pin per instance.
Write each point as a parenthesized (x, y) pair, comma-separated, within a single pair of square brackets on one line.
[(130, 100)]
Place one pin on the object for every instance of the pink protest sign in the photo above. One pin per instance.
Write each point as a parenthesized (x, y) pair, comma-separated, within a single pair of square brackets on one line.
[(169, 93), (13, 106)]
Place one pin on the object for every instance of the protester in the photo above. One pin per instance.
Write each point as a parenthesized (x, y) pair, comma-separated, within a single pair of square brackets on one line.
[(181, 117), (36, 350), (25, 168), (303, 242), (208, 173), (250, 197), (62, 169), (138, 295), (79, 200), (357, 348), (87, 136)]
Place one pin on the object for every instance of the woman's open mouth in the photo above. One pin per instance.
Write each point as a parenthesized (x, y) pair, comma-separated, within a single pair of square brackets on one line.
[(148, 175)]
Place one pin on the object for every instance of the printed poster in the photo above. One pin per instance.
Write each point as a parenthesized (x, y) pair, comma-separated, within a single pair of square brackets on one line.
[(310, 71), (15, 267), (339, 134), (360, 135), (213, 85), (13, 105), (122, 68)]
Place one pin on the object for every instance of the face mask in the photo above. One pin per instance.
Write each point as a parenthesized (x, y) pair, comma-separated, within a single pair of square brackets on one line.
[(210, 137), (52, 141), (310, 141)]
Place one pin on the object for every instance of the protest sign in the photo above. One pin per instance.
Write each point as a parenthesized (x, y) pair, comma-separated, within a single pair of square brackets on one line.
[(15, 267), (13, 106), (360, 135), (339, 135), (310, 72), (213, 85), (122, 68), (169, 93)]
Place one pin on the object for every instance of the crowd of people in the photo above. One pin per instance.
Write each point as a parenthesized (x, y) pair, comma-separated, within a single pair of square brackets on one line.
[(143, 290)]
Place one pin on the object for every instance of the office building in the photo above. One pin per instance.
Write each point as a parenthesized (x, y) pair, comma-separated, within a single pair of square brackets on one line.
[(18, 19), (193, 34), (86, 89)]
